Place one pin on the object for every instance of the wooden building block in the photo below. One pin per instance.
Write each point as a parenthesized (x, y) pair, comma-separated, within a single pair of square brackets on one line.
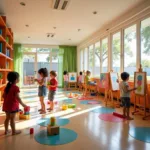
[(52, 130)]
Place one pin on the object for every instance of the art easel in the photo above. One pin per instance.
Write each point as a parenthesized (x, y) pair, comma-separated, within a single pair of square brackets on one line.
[(72, 85), (109, 95), (137, 96)]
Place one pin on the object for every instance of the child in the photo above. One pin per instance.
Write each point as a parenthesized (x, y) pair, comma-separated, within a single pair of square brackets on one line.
[(80, 80), (66, 80), (86, 81), (52, 89), (125, 94), (11, 102), (42, 88)]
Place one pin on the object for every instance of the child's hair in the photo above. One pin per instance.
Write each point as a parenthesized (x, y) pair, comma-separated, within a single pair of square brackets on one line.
[(124, 76), (53, 73), (65, 72), (80, 72), (43, 71), (11, 77), (88, 72)]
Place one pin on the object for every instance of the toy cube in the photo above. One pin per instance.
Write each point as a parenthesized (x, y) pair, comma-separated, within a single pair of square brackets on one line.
[(72, 106), (27, 109), (52, 130), (64, 107), (24, 117)]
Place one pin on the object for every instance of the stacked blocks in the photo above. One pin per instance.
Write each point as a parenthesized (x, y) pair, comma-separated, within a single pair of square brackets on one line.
[(26, 114), (52, 129)]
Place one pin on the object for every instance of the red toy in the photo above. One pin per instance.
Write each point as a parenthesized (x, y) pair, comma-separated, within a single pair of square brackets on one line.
[(118, 115), (31, 130), (27, 109)]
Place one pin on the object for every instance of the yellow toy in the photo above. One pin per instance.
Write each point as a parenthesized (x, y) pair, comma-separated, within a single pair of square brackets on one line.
[(52, 121), (64, 107), (22, 116)]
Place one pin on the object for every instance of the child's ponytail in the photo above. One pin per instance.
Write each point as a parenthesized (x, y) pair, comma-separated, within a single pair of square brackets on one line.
[(11, 77)]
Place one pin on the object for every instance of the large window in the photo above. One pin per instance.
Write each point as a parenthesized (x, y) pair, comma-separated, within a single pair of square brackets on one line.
[(86, 59), (91, 58), (97, 59), (116, 49), (81, 60), (104, 57), (130, 50), (145, 46)]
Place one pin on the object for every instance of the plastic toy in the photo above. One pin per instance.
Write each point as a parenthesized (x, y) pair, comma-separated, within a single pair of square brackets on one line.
[(72, 106), (31, 130), (52, 121), (26, 114), (64, 107), (70, 95), (118, 115)]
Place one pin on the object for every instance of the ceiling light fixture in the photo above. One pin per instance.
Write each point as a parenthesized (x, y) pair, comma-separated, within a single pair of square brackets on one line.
[(79, 30), (28, 37), (27, 25), (69, 39), (54, 27), (94, 12), (22, 4)]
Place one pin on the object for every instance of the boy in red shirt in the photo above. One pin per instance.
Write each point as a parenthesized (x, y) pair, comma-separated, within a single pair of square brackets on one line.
[(52, 89)]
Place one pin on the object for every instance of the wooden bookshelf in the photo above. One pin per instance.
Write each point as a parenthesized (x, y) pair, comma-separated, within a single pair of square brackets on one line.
[(6, 52)]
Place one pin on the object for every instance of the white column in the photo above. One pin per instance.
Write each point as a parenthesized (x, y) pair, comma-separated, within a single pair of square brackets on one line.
[(138, 44), (122, 51)]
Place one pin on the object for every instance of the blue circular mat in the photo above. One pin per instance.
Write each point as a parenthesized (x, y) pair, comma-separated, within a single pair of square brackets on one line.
[(45, 121), (103, 110), (86, 102), (140, 133), (65, 136)]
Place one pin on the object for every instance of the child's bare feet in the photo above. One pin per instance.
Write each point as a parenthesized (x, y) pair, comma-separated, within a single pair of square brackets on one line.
[(7, 132), (16, 132), (43, 112)]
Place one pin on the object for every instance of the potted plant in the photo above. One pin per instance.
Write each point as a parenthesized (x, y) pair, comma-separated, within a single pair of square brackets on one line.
[(1, 78)]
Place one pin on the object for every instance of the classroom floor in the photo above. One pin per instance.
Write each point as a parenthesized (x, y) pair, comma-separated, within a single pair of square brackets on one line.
[(92, 132)]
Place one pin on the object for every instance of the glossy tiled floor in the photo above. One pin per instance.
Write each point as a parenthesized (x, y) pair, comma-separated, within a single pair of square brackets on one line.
[(93, 133)]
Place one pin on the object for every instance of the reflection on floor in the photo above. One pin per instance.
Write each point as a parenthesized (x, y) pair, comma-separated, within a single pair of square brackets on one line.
[(93, 133)]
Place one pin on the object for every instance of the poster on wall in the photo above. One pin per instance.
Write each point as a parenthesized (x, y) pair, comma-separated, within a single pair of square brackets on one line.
[(104, 80), (140, 82), (72, 77), (113, 81)]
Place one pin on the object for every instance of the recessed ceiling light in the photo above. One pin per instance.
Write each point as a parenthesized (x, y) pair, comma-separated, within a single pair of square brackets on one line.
[(94, 12), (27, 25), (22, 4)]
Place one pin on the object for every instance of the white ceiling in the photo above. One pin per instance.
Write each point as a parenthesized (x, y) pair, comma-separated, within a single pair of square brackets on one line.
[(41, 19)]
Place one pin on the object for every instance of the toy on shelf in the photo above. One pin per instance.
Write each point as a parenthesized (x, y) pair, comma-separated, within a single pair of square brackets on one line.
[(72, 106), (26, 114), (52, 128)]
